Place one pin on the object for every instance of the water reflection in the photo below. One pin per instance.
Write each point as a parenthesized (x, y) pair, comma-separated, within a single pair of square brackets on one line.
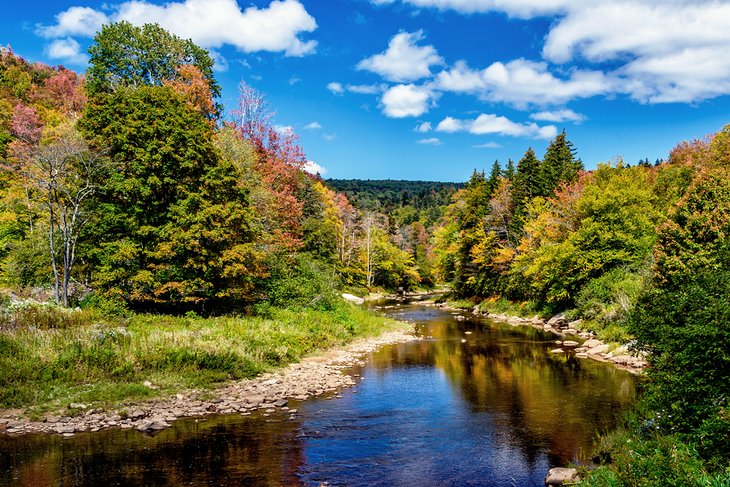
[(495, 410)]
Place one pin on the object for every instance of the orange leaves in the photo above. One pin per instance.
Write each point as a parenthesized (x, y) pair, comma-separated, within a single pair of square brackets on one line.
[(194, 87)]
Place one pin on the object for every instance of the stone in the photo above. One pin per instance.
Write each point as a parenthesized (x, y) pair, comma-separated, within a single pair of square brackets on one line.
[(52, 419), (597, 350), (136, 414), (570, 343), (592, 343), (281, 403), (557, 320), (77, 405), (557, 351), (562, 476), (65, 429)]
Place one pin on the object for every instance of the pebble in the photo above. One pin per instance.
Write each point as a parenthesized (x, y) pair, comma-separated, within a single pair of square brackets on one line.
[(270, 393)]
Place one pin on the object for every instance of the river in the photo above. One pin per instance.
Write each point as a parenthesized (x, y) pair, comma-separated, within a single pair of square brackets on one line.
[(495, 410)]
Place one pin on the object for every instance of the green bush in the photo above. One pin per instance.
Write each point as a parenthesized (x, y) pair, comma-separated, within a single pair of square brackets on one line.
[(307, 283)]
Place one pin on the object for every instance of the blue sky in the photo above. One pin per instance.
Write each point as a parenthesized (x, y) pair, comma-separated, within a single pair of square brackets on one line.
[(432, 89)]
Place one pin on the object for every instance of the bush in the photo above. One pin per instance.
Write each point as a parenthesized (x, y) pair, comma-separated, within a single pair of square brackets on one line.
[(308, 283)]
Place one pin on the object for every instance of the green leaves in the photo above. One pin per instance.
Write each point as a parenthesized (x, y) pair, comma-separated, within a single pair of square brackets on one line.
[(124, 55)]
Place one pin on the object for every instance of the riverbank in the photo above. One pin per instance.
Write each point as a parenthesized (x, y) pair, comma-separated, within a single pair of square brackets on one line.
[(146, 371), (569, 338)]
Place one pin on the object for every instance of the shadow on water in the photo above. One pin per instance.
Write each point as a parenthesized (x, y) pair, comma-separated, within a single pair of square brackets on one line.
[(495, 410)]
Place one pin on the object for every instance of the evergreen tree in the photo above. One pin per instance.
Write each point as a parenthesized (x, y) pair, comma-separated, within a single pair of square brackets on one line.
[(525, 187), (494, 177), (509, 173), (558, 166)]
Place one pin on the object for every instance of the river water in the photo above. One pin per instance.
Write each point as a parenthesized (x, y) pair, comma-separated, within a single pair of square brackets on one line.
[(497, 410)]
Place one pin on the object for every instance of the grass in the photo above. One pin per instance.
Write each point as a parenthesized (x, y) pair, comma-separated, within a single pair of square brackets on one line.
[(630, 459), (80, 356)]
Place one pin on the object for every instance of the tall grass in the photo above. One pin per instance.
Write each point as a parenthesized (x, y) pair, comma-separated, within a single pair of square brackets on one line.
[(54, 357)]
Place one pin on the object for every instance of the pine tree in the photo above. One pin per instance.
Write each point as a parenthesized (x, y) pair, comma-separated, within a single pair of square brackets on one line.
[(558, 166), (527, 185), (509, 173), (494, 177)]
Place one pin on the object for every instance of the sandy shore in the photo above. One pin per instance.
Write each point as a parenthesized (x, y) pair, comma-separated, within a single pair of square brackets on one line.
[(270, 392)]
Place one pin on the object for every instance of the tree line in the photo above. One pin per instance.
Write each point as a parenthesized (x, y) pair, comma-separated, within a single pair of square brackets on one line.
[(128, 187)]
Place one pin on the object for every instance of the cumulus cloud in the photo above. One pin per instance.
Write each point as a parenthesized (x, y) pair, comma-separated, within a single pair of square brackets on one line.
[(336, 88), (423, 127), (407, 101), (558, 116), (404, 60), (429, 141), (75, 21), (209, 23), (67, 50), (494, 124), (523, 83), (313, 168), (659, 51)]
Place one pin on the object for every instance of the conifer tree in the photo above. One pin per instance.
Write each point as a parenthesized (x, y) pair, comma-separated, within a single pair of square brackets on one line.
[(558, 166)]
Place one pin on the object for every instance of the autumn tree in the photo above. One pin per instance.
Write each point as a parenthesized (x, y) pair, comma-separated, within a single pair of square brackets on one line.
[(127, 56)]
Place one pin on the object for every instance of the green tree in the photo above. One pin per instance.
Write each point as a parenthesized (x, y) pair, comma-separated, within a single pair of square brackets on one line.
[(558, 166), (124, 55), (175, 222), (526, 185)]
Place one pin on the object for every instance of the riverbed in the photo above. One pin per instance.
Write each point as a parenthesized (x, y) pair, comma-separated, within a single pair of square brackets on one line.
[(474, 403)]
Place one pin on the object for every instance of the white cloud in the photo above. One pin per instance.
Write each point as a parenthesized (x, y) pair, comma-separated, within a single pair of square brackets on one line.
[(75, 21), (423, 127), (488, 145), (407, 101), (523, 83), (451, 124), (67, 50), (220, 63), (403, 61), (329, 137), (367, 89), (494, 124), (294, 80), (430, 141), (336, 88), (209, 23), (558, 116), (313, 126), (515, 8), (313, 168)]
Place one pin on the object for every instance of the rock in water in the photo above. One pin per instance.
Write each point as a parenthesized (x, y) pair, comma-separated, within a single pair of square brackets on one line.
[(562, 476)]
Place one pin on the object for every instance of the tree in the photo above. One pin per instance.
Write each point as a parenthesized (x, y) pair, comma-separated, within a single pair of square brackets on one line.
[(124, 55), (161, 229), (526, 185), (494, 177), (558, 166), (66, 173)]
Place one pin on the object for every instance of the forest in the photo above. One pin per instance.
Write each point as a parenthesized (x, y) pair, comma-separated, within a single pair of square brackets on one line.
[(128, 200)]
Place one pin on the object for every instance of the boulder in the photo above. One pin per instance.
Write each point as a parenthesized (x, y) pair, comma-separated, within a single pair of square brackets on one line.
[(597, 350), (557, 351), (562, 476), (570, 343), (592, 343), (557, 320)]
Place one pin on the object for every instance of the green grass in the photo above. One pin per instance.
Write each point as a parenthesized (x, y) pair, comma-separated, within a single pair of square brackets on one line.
[(649, 460), (47, 364)]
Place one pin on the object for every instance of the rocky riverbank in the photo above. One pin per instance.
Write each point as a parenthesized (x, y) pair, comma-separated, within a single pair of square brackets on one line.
[(268, 393), (571, 339)]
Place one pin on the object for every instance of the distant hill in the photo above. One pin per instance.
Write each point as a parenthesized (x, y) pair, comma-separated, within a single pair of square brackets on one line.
[(385, 195)]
